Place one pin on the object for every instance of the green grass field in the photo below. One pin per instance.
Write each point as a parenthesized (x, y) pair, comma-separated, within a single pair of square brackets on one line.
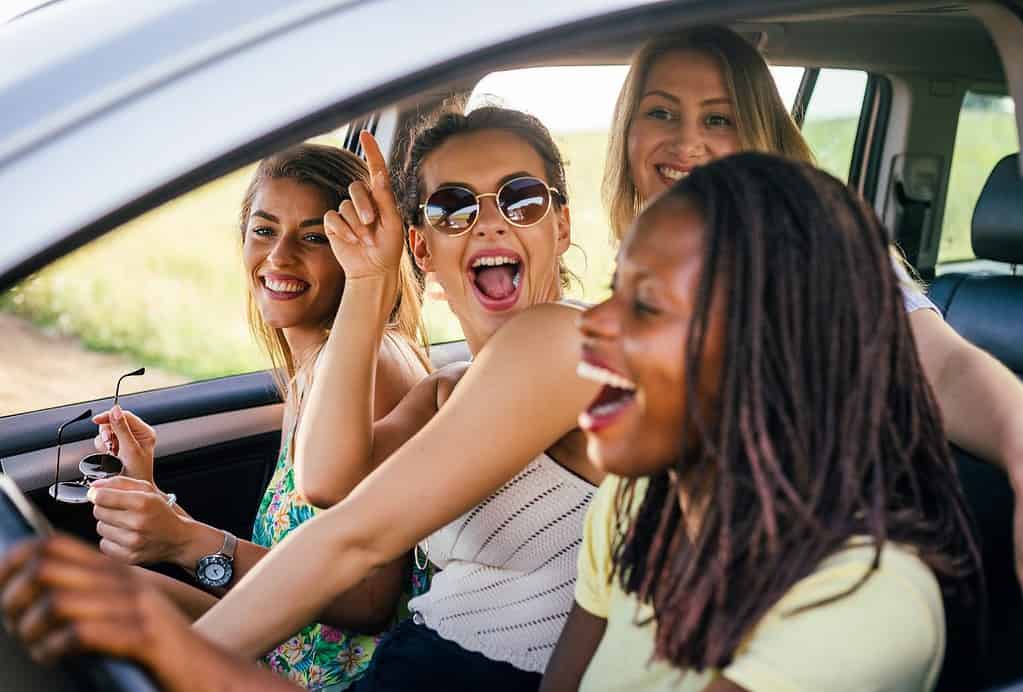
[(167, 289)]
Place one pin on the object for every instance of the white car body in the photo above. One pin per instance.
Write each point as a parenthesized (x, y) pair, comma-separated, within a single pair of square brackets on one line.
[(106, 101)]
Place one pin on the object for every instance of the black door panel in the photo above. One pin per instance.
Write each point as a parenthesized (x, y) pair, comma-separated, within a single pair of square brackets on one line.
[(220, 485), (223, 484), (38, 430), (217, 445)]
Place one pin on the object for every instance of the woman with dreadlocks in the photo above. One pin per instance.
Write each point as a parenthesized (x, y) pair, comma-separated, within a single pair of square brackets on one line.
[(787, 513), (695, 95)]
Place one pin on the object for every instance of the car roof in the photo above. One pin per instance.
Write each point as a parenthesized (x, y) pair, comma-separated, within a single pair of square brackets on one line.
[(129, 101), (131, 104)]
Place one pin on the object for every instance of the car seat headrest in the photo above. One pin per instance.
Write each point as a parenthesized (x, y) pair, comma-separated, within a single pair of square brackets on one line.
[(998, 216)]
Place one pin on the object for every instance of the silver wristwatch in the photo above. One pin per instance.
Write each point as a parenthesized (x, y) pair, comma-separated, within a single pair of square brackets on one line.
[(215, 571)]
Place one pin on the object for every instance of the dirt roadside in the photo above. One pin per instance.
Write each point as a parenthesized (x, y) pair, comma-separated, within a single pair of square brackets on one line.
[(41, 370)]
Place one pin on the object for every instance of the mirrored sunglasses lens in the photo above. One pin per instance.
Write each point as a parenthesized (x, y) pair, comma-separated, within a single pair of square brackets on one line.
[(524, 200), (451, 209), (96, 466), (72, 492)]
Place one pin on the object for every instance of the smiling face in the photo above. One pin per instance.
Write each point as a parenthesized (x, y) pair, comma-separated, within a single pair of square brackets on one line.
[(496, 270), (685, 118), (634, 344), (294, 277)]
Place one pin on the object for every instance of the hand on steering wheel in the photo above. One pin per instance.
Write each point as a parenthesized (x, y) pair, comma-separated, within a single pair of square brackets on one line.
[(61, 597)]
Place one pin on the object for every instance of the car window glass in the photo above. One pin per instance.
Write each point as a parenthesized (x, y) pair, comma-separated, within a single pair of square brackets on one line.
[(576, 103), (832, 117), (166, 291), (986, 133)]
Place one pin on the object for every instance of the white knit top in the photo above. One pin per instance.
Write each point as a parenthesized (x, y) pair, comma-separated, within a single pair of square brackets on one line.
[(509, 567)]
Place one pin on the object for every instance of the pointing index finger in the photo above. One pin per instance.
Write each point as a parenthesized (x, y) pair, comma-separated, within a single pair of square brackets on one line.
[(379, 176), (374, 157)]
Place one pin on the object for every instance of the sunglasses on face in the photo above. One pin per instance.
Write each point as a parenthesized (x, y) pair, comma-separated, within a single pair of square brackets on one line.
[(93, 467), (523, 202)]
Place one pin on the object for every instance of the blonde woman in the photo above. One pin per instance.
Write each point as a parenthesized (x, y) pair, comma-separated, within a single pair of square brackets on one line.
[(295, 288)]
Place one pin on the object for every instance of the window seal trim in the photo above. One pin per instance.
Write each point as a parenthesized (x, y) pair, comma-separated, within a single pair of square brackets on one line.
[(871, 133), (803, 95)]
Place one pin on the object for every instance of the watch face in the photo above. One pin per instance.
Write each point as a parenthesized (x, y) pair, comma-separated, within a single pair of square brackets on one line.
[(214, 570)]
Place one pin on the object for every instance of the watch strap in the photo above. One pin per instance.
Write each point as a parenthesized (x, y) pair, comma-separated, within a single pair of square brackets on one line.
[(230, 543)]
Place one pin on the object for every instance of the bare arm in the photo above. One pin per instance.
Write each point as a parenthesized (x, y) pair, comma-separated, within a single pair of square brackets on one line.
[(334, 446), (578, 642), (137, 525), (981, 403), (367, 607), (513, 403), (193, 602), (981, 400), (360, 378)]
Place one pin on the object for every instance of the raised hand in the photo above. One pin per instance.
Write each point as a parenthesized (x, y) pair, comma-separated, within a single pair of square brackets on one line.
[(130, 438), (366, 233)]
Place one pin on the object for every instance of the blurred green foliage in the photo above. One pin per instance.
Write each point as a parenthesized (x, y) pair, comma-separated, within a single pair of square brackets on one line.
[(167, 289)]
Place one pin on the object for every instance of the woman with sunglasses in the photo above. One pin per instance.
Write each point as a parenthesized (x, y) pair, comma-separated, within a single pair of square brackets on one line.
[(489, 475), (295, 287), (697, 95)]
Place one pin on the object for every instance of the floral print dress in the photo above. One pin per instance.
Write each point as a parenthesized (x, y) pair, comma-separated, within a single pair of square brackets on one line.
[(319, 656)]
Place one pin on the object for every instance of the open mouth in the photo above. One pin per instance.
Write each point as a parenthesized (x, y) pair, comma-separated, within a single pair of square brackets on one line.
[(496, 279), (670, 174), (281, 288), (613, 399)]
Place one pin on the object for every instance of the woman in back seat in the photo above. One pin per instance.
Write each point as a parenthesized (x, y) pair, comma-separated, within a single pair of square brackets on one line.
[(696, 95)]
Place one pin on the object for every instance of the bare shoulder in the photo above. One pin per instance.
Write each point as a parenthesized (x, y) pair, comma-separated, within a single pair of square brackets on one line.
[(569, 312), (546, 328)]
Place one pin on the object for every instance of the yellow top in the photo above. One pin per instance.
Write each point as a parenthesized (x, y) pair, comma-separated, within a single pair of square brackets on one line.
[(887, 635)]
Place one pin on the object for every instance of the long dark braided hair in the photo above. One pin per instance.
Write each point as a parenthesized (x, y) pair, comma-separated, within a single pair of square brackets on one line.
[(824, 427)]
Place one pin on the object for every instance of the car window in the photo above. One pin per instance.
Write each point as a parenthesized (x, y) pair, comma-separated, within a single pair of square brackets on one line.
[(576, 103), (166, 291), (986, 133), (832, 117)]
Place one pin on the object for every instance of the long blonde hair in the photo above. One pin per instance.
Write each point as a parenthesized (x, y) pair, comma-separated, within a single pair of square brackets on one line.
[(332, 170), (763, 122)]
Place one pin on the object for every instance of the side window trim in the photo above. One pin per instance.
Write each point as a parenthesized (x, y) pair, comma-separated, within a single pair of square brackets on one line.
[(804, 94), (871, 131)]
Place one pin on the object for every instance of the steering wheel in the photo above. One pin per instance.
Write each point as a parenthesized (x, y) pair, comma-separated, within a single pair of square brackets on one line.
[(20, 520)]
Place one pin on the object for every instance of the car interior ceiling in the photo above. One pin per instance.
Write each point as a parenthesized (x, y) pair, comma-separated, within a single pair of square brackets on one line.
[(942, 39), (922, 40)]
